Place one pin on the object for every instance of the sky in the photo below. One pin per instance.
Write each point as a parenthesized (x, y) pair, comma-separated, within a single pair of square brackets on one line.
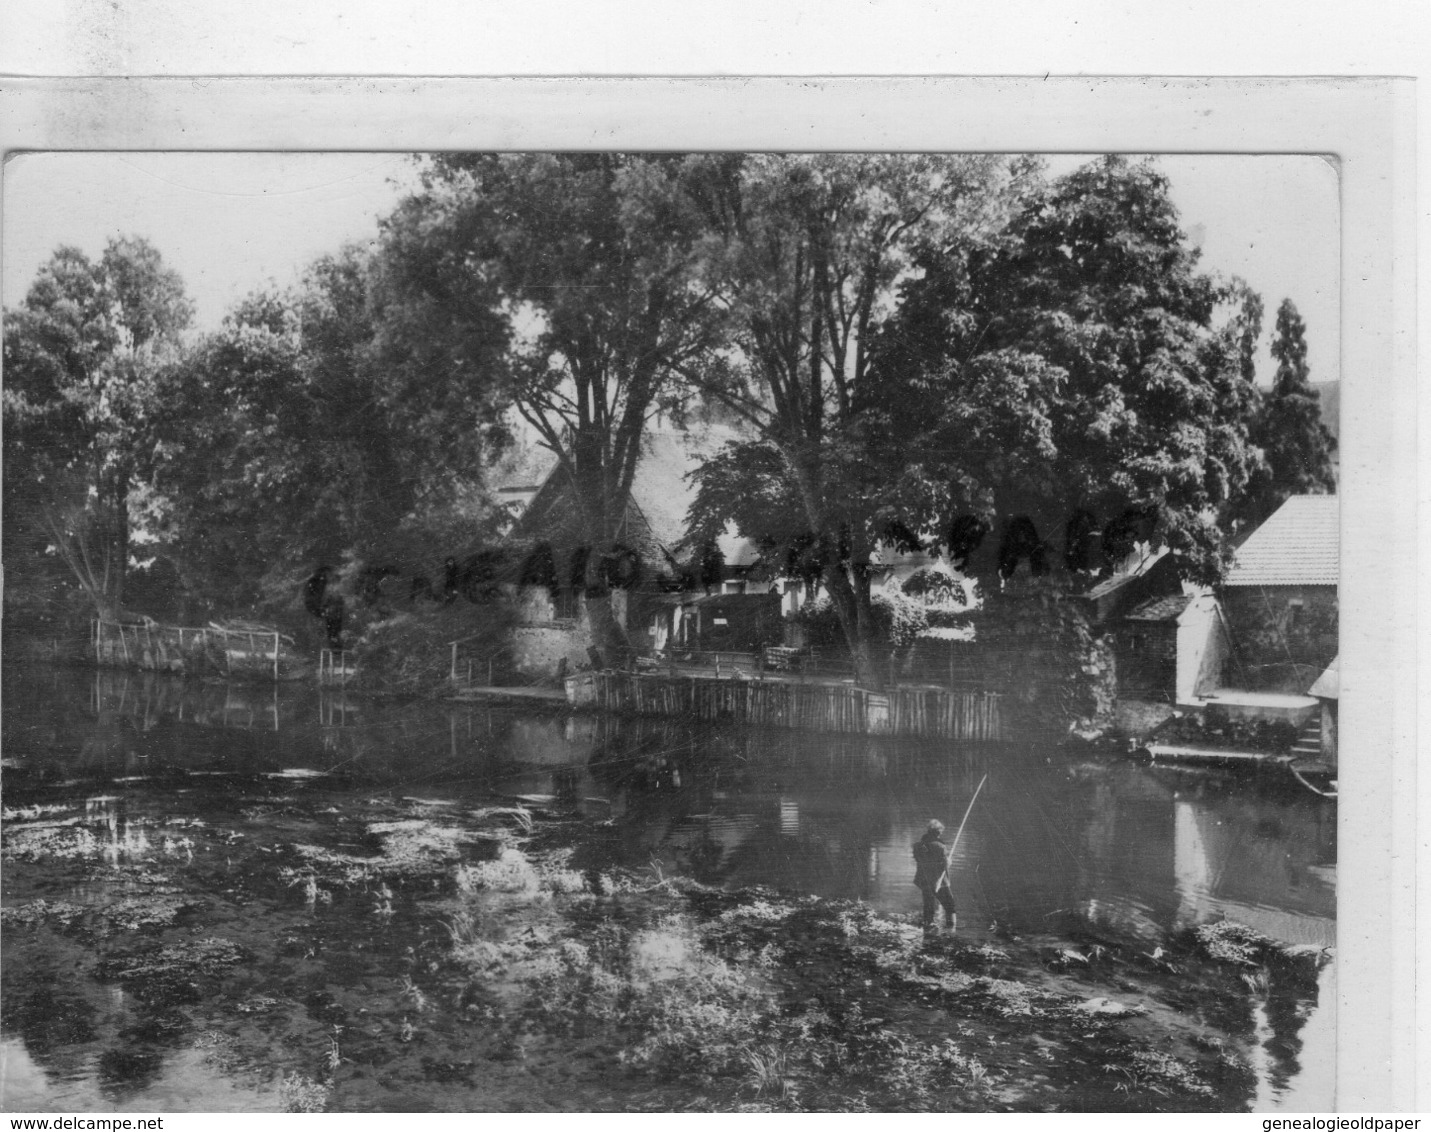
[(233, 223)]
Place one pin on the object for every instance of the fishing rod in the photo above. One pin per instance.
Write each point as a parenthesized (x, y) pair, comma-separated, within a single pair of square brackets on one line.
[(949, 860)]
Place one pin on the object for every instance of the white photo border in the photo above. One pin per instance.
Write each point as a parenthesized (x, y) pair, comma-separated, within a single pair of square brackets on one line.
[(1365, 124)]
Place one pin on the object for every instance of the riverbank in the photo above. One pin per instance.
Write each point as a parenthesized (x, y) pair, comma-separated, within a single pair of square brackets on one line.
[(289, 943)]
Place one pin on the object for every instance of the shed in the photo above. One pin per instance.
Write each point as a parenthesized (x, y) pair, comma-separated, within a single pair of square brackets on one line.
[(1145, 648), (1155, 575), (716, 622)]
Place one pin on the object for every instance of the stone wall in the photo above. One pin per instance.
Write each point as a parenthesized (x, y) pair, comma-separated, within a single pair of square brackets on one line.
[(1138, 718), (542, 640), (538, 650), (1146, 653), (1283, 636)]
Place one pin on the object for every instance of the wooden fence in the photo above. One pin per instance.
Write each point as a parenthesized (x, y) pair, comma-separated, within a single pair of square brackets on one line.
[(934, 713), (335, 666), (171, 648)]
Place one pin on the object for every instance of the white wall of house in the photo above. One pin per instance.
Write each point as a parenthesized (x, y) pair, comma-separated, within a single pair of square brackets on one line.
[(533, 604), (1203, 648)]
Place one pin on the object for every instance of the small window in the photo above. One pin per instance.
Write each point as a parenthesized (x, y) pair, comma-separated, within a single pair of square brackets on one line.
[(1137, 642), (566, 605)]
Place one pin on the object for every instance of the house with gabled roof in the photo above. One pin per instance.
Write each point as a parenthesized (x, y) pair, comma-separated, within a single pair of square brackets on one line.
[(546, 550), (1170, 639), (1281, 596)]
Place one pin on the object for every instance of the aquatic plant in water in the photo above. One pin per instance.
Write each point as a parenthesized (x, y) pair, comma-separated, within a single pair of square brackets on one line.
[(519, 816), (38, 911), (1232, 942), (414, 994), (769, 1072), (298, 1093), (510, 872), (1153, 1069)]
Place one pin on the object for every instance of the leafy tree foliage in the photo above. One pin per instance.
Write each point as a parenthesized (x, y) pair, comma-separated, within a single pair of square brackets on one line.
[(811, 250), (84, 359), (327, 450), (1072, 374), (1297, 446), (593, 257)]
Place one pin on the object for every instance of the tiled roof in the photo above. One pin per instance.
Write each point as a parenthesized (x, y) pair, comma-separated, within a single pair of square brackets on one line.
[(1160, 608), (1300, 545), (1123, 577)]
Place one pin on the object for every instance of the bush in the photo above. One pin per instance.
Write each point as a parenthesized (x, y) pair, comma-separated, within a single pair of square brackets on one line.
[(411, 652), (1215, 728), (898, 621), (936, 588)]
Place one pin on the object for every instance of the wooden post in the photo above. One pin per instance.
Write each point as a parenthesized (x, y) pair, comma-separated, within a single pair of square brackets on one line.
[(275, 669), (453, 674)]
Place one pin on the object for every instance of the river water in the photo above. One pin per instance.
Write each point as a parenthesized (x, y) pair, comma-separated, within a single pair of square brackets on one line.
[(1144, 849)]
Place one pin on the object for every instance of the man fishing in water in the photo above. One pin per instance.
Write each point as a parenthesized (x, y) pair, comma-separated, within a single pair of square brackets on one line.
[(931, 874), (931, 867)]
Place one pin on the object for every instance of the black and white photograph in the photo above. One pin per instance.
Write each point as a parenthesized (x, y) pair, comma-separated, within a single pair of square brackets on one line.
[(661, 629)]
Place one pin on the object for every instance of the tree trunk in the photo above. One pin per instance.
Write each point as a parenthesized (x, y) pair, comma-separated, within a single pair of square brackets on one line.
[(607, 634), (602, 522), (851, 597), (855, 614)]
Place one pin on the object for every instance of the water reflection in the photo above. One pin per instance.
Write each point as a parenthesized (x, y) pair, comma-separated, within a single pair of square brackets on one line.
[(1146, 850)]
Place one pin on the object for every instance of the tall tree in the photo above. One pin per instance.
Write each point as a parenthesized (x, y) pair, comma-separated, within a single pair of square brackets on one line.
[(594, 258), (1073, 376), (336, 443), (1296, 444), (812, 250), (83, 358)]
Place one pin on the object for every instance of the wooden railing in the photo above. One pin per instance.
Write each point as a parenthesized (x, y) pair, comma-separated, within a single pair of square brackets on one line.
[(470, 667), (173, 648), (335, 666)]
